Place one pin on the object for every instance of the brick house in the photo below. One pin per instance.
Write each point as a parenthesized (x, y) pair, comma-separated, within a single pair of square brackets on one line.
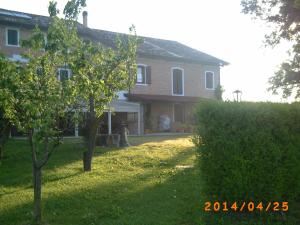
[(171, 77)]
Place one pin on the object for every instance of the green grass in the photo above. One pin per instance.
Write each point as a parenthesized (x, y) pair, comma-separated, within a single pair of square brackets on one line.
[(138, 185)]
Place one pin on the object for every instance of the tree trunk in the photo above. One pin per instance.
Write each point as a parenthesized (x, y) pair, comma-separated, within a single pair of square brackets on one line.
[(3, 139), (37, 186), (88, 155), (37, 182), (1, 152), (92, 125)]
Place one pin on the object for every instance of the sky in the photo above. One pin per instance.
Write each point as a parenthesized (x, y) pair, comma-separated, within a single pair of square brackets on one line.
[(211, 26)]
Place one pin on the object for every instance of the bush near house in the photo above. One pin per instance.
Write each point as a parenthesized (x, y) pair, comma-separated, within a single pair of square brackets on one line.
[(250, 152)]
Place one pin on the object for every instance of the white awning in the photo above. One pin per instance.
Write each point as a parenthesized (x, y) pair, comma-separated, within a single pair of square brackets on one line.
[(123, 106)]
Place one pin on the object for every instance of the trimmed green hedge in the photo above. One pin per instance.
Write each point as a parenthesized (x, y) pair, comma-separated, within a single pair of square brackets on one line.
[(249, 151)]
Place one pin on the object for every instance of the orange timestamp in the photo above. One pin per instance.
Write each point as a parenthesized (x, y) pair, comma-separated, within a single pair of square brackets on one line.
[(246, 207)]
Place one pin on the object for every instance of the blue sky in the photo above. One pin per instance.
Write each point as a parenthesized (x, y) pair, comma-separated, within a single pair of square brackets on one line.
[(212, 26)]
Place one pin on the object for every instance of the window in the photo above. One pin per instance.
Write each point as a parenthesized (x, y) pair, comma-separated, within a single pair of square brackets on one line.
[(143, 75), (209, 80), (177, 78), (178, 113), (12, 37), (63, 74), (132, 117)]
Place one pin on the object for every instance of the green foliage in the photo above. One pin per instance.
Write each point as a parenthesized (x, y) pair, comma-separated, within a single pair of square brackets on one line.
[(249, 151), (33, 99), (287, 78), (219, 92), (73, 8), (52, 9), (283, 15), (99, 72)]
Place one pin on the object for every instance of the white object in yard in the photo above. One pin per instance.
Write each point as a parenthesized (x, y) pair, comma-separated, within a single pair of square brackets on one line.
[(164, 123)]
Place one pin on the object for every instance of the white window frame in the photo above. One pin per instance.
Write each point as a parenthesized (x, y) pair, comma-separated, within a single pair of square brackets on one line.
[(178, 68), (142, 84), (69, 72), (6, 36), (213, 80)]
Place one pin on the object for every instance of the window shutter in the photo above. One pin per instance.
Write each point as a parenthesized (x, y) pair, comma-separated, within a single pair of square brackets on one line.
[(148, 75)]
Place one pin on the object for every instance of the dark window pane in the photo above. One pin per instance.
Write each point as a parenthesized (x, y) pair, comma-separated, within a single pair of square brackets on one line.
[(12, 37), (148, 74), (177, 82), (209, 80)]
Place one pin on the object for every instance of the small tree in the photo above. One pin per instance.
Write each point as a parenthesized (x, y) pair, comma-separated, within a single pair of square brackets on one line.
[(33, 101), (99, 72), (219, 92), (32, 98)]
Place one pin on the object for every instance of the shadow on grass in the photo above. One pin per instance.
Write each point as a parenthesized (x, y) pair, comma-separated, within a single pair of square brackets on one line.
[(116, 203), (147, 198), (16, 167), (144, 198)]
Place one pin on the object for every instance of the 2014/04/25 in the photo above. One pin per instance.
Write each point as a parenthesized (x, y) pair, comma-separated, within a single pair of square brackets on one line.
[(245, 206)]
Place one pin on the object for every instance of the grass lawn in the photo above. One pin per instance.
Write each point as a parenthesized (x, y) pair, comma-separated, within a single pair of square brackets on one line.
[(151, 182)]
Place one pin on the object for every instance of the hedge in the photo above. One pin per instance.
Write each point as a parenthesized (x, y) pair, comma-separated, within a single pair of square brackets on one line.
[(249, 151)]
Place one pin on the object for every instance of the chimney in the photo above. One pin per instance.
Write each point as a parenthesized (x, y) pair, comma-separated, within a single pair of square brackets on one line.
[(84, 17)]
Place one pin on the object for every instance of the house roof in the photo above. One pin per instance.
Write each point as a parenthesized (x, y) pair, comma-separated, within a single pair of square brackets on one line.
[(149, 47)]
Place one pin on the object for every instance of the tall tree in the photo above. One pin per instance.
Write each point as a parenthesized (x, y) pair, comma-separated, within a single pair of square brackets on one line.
[(284, 15)]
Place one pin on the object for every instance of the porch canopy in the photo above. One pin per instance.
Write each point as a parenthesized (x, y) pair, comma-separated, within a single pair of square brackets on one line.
[(123, 106), (163, 98)]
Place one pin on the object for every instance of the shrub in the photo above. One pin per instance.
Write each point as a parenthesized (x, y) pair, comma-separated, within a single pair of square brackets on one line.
[(249, 151)]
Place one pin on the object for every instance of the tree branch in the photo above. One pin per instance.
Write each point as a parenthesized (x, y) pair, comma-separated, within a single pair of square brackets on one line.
[(33, 149), (48, 152)]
